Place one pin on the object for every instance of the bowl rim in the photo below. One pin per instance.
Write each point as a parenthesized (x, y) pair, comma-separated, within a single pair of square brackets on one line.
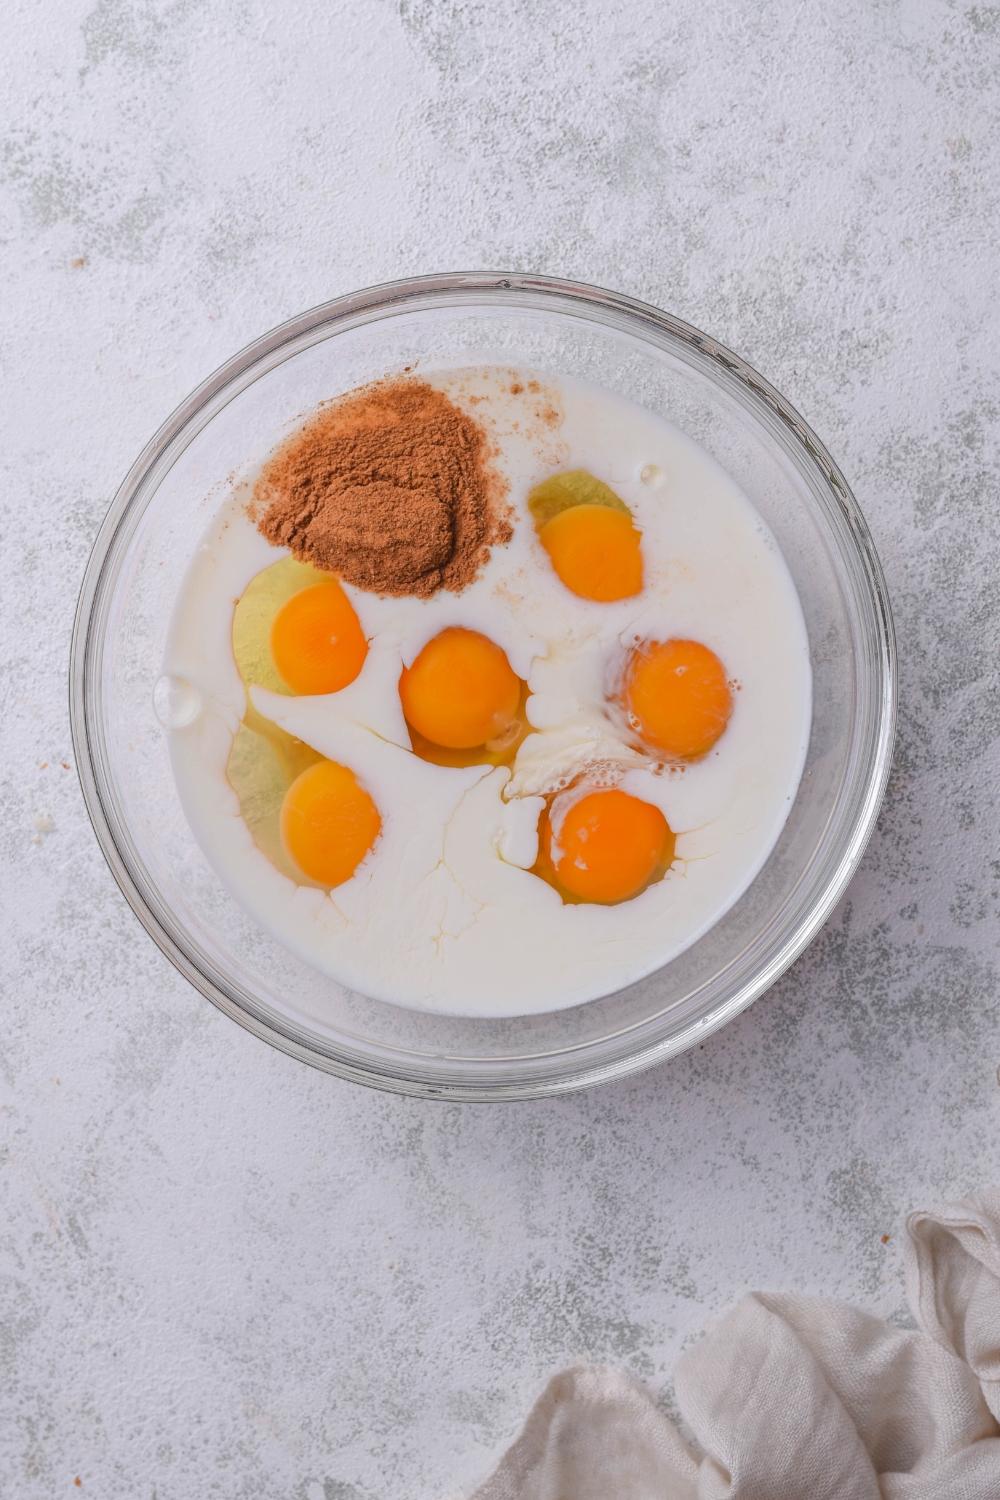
[(320, 321)]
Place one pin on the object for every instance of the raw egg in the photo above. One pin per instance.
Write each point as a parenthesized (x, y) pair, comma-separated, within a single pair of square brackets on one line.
[(605, 846), (328, 822), (461, 691), (595, 551), (678, 697), (317, 644)]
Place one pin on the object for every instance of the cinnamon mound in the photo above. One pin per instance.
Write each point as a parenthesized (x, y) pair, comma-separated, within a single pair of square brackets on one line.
[(391, 488)]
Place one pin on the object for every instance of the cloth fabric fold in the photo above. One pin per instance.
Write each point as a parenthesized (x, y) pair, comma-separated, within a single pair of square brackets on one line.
[(952, 1280), (798, 1398)]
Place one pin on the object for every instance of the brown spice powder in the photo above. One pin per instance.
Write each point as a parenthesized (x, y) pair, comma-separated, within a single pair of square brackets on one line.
[(390, 487)]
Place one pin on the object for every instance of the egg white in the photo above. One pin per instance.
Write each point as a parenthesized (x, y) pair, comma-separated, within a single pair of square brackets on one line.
[(443, 914)]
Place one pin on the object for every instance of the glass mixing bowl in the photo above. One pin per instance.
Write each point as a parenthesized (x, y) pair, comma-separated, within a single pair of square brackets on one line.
[(122, 708)]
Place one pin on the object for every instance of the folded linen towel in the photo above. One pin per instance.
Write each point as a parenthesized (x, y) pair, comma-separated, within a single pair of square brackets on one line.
[(797, 1398)]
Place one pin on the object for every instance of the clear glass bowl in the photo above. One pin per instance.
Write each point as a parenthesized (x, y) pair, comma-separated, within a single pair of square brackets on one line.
[(238, 414)]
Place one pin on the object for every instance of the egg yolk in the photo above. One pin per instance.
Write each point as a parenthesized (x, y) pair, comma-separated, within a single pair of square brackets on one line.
[(317, 643), (678, 697), (595, 551), (460, 691), (328, 822), (608, 847)]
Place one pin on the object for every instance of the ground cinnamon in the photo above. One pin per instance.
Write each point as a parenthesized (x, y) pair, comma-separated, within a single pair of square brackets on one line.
[(391, 487)]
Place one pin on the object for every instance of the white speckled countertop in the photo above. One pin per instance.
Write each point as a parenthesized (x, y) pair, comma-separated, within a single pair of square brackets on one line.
[(221, 1273)]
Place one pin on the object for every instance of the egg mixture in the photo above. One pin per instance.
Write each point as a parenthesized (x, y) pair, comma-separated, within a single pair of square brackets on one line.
[(529, 793)]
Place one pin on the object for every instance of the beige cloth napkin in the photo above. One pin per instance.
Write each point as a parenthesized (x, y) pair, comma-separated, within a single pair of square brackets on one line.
[(795, 1398)]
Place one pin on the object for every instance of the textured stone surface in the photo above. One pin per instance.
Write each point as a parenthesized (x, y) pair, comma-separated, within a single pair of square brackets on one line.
[(225, 1274)]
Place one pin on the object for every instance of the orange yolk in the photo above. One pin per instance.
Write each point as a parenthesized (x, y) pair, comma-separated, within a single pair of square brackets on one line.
[(595, 551), (317, 644), (608, 847), (328, 822), (460, 691), (678, 697)]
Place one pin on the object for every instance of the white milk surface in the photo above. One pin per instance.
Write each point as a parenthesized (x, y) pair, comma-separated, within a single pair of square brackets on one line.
[(444, 914)]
